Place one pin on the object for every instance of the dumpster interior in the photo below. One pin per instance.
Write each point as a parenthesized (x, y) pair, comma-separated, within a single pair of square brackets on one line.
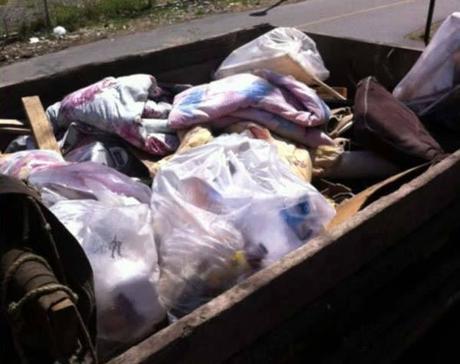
[(171, 190)]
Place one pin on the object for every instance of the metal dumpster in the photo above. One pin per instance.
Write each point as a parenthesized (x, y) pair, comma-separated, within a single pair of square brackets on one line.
[(363, 292)]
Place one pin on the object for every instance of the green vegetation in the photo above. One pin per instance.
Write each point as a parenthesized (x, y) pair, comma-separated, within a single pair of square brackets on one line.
[(75, 16), (117, 13)]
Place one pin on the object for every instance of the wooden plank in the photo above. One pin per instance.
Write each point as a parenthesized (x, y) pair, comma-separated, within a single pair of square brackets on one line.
[(11, 122), (243, 314), (41, 127), (14, 130), (13, 126)]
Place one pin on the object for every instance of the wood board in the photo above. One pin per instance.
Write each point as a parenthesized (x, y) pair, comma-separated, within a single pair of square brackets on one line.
[(42, 130)]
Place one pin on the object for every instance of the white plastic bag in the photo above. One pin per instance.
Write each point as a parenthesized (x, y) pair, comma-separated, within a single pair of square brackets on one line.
[(199, 259), (277, 42), (225, 210), (118, 240), (438, 68), (57, 179), (86, 180)]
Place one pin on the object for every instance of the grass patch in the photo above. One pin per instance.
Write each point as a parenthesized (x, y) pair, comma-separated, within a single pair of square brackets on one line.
[(75, 16), (71, 16), (420, 33)]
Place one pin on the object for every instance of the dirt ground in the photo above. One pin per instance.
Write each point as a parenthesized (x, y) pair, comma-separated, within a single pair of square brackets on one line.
[(20, 47)]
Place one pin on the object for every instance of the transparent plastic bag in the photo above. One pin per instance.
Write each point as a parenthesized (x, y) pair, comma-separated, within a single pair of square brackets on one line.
[(199, 261), (437, 70), (224, 210), (87, 180), (24, 163), (277, 42), (297, 158), (118, 240), (57, 179)]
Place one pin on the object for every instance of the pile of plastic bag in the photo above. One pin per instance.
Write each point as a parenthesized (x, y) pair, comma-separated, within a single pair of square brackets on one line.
[(225, 210)]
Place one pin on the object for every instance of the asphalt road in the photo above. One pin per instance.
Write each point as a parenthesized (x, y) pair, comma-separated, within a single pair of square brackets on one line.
[(386, 21)]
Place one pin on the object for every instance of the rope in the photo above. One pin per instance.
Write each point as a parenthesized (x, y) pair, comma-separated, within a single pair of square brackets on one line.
[(87, 338), (15, 307), (26, 257)]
